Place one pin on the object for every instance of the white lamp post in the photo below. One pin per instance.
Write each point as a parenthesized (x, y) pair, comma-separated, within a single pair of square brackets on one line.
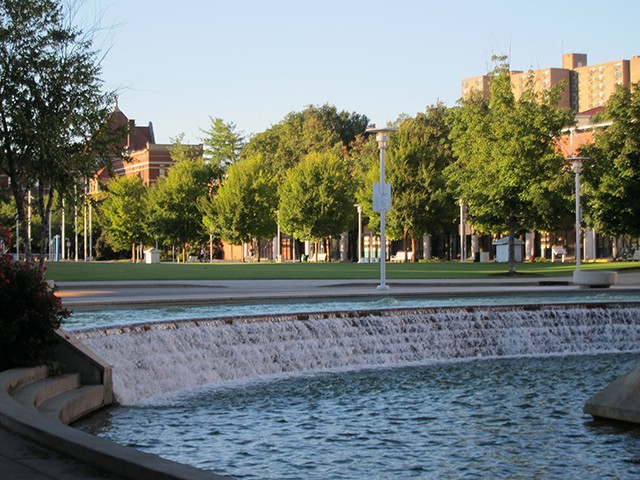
[(600, 278), (576, 167), (278, 236), (359, 207), (463, 234), (382, 198)]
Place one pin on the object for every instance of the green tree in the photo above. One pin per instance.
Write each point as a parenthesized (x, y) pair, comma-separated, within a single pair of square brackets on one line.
[(612, 168), (417, 157), (315, 129), (317, 197), (365, 163), (53, 114), (244, 207), (222, 143), (507, 169), (174, 214), (124, 213)]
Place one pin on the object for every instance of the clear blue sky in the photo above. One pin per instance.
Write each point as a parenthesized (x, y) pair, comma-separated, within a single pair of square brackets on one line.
[(250, 62)]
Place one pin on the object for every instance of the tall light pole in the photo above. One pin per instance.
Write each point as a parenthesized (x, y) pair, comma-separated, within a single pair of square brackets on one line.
[(278, 236), (359, 207), (463, 233), (576, 167), (382, 198)]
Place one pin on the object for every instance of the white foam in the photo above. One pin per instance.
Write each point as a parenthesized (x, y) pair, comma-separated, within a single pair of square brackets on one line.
[(161, 358)]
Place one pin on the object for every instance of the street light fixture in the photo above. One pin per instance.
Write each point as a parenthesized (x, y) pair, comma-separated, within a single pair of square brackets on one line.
[(382, 198), (576, 167)]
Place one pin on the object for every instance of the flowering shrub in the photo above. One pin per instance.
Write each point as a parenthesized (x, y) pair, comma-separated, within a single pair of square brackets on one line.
[(30, 313)]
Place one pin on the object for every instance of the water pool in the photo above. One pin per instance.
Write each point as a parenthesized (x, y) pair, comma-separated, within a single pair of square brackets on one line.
[(498, 418), (446, 417)]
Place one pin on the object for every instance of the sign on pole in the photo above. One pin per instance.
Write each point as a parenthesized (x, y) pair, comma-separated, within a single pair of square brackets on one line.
[(381, 197)]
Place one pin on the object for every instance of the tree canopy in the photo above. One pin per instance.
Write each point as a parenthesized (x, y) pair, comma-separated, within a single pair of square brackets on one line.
[(244, 206), (317, 197), (507, 169), (54, 132), (418, 154), (612, 167), (124, 213), (222, 144), (315, 129), (174, 214)]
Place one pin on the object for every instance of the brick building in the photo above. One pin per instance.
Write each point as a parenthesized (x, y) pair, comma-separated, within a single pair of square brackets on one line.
[(586, 86), (146, 159)]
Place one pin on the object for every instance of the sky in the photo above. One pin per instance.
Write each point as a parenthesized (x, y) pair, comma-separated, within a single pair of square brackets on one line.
[(251, 62)]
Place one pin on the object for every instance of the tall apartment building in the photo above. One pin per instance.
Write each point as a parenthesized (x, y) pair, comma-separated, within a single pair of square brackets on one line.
[(542, 80), (586, 86)]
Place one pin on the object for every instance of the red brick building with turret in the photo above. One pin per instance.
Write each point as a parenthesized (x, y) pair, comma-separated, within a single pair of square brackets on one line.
[(144, 157)]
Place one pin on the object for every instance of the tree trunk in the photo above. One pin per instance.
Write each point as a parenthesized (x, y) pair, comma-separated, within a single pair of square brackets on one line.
[(133, 252), (327, 247), (45, 213), (18, 195), (404, 245), (414, 245), (512, 245)]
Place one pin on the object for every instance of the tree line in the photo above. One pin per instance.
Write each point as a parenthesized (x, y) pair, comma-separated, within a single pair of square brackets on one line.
[(498, 154), (304, 174)]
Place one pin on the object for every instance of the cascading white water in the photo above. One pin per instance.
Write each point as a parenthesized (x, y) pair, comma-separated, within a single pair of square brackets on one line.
[(159, 358)]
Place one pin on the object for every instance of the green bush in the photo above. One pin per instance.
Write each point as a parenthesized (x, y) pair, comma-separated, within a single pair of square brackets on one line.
[(30, 313)]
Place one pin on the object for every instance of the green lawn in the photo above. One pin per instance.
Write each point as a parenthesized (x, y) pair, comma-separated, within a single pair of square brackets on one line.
[(102, 271)]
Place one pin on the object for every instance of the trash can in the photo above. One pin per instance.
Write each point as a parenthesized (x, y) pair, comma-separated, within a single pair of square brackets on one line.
[(152, 255)]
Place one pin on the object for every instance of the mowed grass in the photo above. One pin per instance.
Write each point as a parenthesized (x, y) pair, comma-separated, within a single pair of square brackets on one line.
[(109, 271)]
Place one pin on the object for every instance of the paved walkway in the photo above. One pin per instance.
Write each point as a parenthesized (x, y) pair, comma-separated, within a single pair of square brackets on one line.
[(91, 295), (21, 460)]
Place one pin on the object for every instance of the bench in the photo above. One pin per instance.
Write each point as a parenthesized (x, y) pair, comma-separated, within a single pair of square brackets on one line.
[(558, 250), (320, 257), (402, 256)]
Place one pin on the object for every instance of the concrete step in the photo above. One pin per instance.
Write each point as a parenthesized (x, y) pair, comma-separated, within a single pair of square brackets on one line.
[(39, 391), (61, 397), (14, 379), (73, 404)]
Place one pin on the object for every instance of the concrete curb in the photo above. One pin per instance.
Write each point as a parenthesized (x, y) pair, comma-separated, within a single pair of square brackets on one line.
[(619, 400), (97, 452)]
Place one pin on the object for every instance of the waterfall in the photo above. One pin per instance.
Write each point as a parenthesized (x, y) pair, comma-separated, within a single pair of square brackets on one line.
[(160, 358)]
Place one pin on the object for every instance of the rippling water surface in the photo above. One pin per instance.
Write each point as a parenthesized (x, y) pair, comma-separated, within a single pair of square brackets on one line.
[(505, 418), (81, 320)]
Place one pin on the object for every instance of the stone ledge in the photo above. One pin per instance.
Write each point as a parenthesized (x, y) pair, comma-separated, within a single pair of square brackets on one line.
[(595, 278), (618, 401), (97, 452)]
